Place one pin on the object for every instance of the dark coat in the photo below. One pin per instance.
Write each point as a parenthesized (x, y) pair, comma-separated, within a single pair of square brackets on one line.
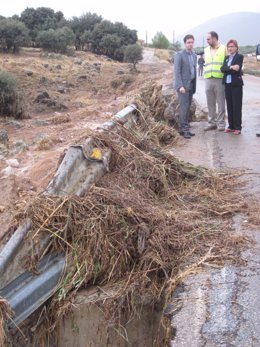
[(201, 61), (236, 76)]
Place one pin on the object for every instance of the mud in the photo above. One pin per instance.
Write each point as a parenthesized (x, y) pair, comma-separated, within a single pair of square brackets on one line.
[(45, 136)]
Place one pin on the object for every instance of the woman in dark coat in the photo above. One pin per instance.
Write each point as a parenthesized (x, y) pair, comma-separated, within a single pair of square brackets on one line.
[(233, 81)]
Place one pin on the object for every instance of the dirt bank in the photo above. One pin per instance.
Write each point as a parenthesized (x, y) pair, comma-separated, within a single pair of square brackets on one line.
[(85, 91)]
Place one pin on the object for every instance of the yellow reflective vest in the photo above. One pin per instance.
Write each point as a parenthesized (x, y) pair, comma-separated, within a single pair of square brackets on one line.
[(213, 63)]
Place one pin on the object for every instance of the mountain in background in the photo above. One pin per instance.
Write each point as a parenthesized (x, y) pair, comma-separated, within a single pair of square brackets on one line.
[(241, 26)]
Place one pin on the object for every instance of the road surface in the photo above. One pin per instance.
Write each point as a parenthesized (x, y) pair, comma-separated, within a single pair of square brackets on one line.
[(221, 307)]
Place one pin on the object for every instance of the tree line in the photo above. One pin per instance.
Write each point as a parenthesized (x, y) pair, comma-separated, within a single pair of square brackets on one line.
[(44, 28)]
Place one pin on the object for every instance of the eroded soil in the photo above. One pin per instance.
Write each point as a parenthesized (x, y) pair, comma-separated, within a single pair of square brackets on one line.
[(85, 91)]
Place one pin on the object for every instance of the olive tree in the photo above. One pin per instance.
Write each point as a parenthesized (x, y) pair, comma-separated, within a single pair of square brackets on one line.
[(55, 40), (133, 54), (82, 27), (42, 18), (13, 35)]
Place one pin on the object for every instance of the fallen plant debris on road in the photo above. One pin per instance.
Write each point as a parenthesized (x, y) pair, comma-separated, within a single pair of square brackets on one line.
[(147, 224), (144, 224)]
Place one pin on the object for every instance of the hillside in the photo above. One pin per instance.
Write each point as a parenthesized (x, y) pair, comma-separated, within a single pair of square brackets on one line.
[(242, 26), (65, 97)]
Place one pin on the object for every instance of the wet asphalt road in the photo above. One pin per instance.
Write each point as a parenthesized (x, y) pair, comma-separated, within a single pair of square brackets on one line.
[(221, 307)]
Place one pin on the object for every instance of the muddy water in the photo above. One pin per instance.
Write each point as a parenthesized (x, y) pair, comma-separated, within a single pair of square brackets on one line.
[(222, 306)]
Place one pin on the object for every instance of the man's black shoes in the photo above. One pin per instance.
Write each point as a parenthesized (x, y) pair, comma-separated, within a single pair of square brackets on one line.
[(186, 134)]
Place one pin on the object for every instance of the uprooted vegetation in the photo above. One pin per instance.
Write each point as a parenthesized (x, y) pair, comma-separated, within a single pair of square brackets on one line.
[(147, 224)]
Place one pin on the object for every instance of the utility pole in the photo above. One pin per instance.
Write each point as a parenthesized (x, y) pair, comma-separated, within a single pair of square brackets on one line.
[(173, 37), (146, 39)]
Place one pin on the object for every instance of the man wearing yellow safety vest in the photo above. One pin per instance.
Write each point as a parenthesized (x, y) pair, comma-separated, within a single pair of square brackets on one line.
[(214, 56)]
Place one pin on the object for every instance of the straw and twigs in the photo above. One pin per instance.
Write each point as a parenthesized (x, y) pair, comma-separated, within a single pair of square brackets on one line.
[(173, 210), (144, 224), (5, 314)]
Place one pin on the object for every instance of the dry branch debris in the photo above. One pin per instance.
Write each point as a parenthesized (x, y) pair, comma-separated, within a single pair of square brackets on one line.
[(148, 223), (5, 314)]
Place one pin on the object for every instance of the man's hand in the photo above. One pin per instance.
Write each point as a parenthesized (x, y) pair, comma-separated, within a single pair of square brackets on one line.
[(182, 90)]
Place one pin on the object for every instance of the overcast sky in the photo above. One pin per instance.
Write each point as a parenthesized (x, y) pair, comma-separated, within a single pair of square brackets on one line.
[(170, 17)]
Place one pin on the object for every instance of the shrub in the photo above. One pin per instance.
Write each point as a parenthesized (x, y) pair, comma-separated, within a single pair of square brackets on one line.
[(121, 82), (11, 101), (133, 54)]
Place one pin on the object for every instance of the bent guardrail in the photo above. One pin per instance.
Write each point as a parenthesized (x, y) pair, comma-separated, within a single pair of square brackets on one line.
[(11, 247), (29, 291), (75, 175)]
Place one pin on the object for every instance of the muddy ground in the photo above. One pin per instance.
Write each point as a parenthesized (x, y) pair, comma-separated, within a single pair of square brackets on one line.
[(83, 92)]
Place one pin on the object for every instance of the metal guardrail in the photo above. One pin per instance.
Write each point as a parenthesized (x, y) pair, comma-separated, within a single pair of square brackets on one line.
[(75, 174), (10, 249), (29, 291)]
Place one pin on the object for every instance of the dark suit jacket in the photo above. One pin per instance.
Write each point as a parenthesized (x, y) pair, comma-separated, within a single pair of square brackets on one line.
[(236, 76), (182, 70)]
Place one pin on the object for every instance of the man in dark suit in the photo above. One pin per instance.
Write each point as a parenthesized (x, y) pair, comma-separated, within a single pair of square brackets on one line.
[(185, 63), (233, 81)]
